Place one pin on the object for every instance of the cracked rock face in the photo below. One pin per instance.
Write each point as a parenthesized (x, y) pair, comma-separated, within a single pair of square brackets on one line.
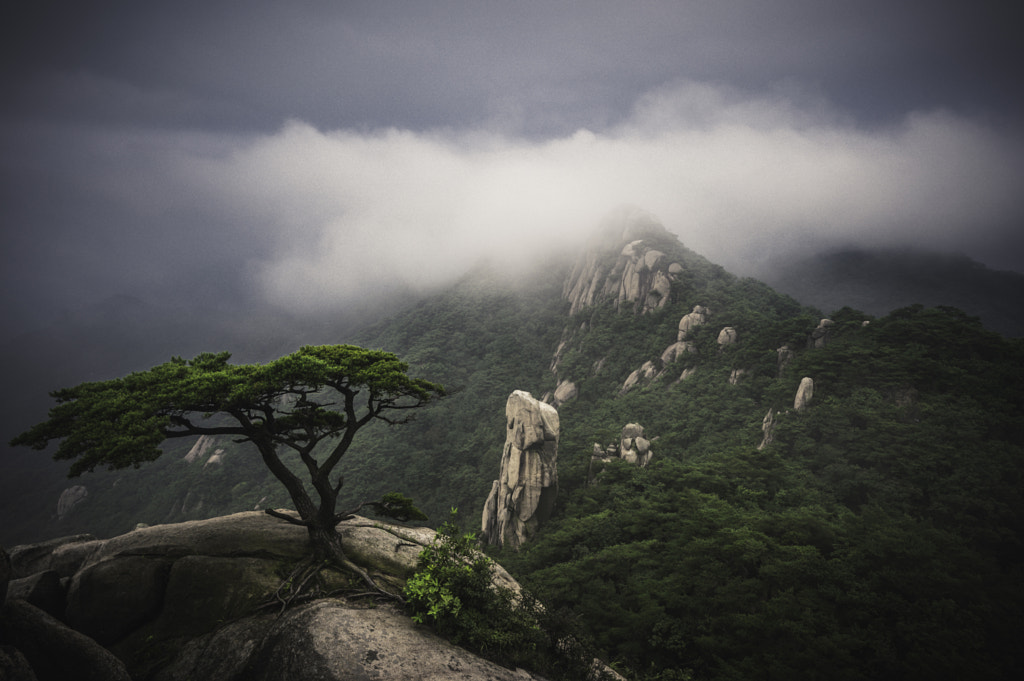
[(523, 496), (639, 275)]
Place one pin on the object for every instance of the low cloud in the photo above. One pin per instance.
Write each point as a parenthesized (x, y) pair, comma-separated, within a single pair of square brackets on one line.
[(313, 218)]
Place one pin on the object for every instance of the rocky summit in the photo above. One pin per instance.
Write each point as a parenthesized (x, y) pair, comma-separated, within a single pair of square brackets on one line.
[(195, 600)]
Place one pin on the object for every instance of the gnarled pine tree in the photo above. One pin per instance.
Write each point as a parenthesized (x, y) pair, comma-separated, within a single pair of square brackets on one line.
[(319, 395)]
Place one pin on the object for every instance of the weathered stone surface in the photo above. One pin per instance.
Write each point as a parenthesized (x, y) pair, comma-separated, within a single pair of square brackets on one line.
[(677, 350), (640, 276), (821, 334), (634, 448), (140, 577), (330, 640), (565, 391), (646, 372), (804, 393), (524, 494), (150, 592), (767, 429), (54, 650), (28, 559), (735, 375), (727, 336), (692, 320)]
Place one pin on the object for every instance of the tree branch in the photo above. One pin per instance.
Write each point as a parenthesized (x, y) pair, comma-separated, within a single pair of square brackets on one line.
[(285, 516)]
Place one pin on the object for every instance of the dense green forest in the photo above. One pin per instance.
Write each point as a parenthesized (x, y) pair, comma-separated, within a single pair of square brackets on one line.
[(876, 536)]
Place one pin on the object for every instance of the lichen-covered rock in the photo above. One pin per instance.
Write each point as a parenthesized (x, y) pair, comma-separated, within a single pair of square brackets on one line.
[(524, 494), (804, 393)]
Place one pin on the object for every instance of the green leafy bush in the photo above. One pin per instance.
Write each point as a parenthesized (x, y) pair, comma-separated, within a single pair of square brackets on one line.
[(454, 592)]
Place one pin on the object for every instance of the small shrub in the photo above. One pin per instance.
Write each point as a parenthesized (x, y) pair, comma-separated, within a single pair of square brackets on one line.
[(454, 593)]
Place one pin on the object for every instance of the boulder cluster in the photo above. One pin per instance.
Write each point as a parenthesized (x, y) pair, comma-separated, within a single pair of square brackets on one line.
[(682, 346), (641, 276), (185, 601)]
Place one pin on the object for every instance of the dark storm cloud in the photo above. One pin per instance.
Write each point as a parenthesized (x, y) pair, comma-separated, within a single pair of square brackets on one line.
[(312, 152), (546, 67)]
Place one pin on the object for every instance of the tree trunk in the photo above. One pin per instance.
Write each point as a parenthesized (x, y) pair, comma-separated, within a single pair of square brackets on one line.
[(327, 546)]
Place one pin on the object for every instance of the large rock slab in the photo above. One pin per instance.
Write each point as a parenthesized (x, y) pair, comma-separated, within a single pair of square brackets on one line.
[(330, 640)]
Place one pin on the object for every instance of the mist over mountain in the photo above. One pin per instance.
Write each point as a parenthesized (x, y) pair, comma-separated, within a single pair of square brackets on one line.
[(878, 281)]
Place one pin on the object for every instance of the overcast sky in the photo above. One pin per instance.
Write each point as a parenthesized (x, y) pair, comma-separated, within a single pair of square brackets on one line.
[(306, 153)]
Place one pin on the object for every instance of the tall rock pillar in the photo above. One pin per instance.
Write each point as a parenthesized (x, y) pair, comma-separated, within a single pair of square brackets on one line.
[(523, 496)]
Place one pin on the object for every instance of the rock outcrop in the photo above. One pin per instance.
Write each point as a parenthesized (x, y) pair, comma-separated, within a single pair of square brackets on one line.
[(647, 371), (767, 429), (804, 393), (727, 336), (640, 276), (691, 320), (821, 335), (633, 447), (69, 498), (180, 601), (524, 494), (565, 391)]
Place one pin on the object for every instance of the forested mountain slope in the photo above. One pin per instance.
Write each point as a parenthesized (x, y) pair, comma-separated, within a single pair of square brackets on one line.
[(878, 281), (871, 530), (874, 533)]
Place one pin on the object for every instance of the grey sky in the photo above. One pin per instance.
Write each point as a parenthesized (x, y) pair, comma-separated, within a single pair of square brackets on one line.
[(304, 153)]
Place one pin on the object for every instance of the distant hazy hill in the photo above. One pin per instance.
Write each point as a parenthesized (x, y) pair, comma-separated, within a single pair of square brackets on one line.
[(879, 281)]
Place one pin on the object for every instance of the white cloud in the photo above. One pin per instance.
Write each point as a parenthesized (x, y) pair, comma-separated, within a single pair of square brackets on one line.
[(340, 214)]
